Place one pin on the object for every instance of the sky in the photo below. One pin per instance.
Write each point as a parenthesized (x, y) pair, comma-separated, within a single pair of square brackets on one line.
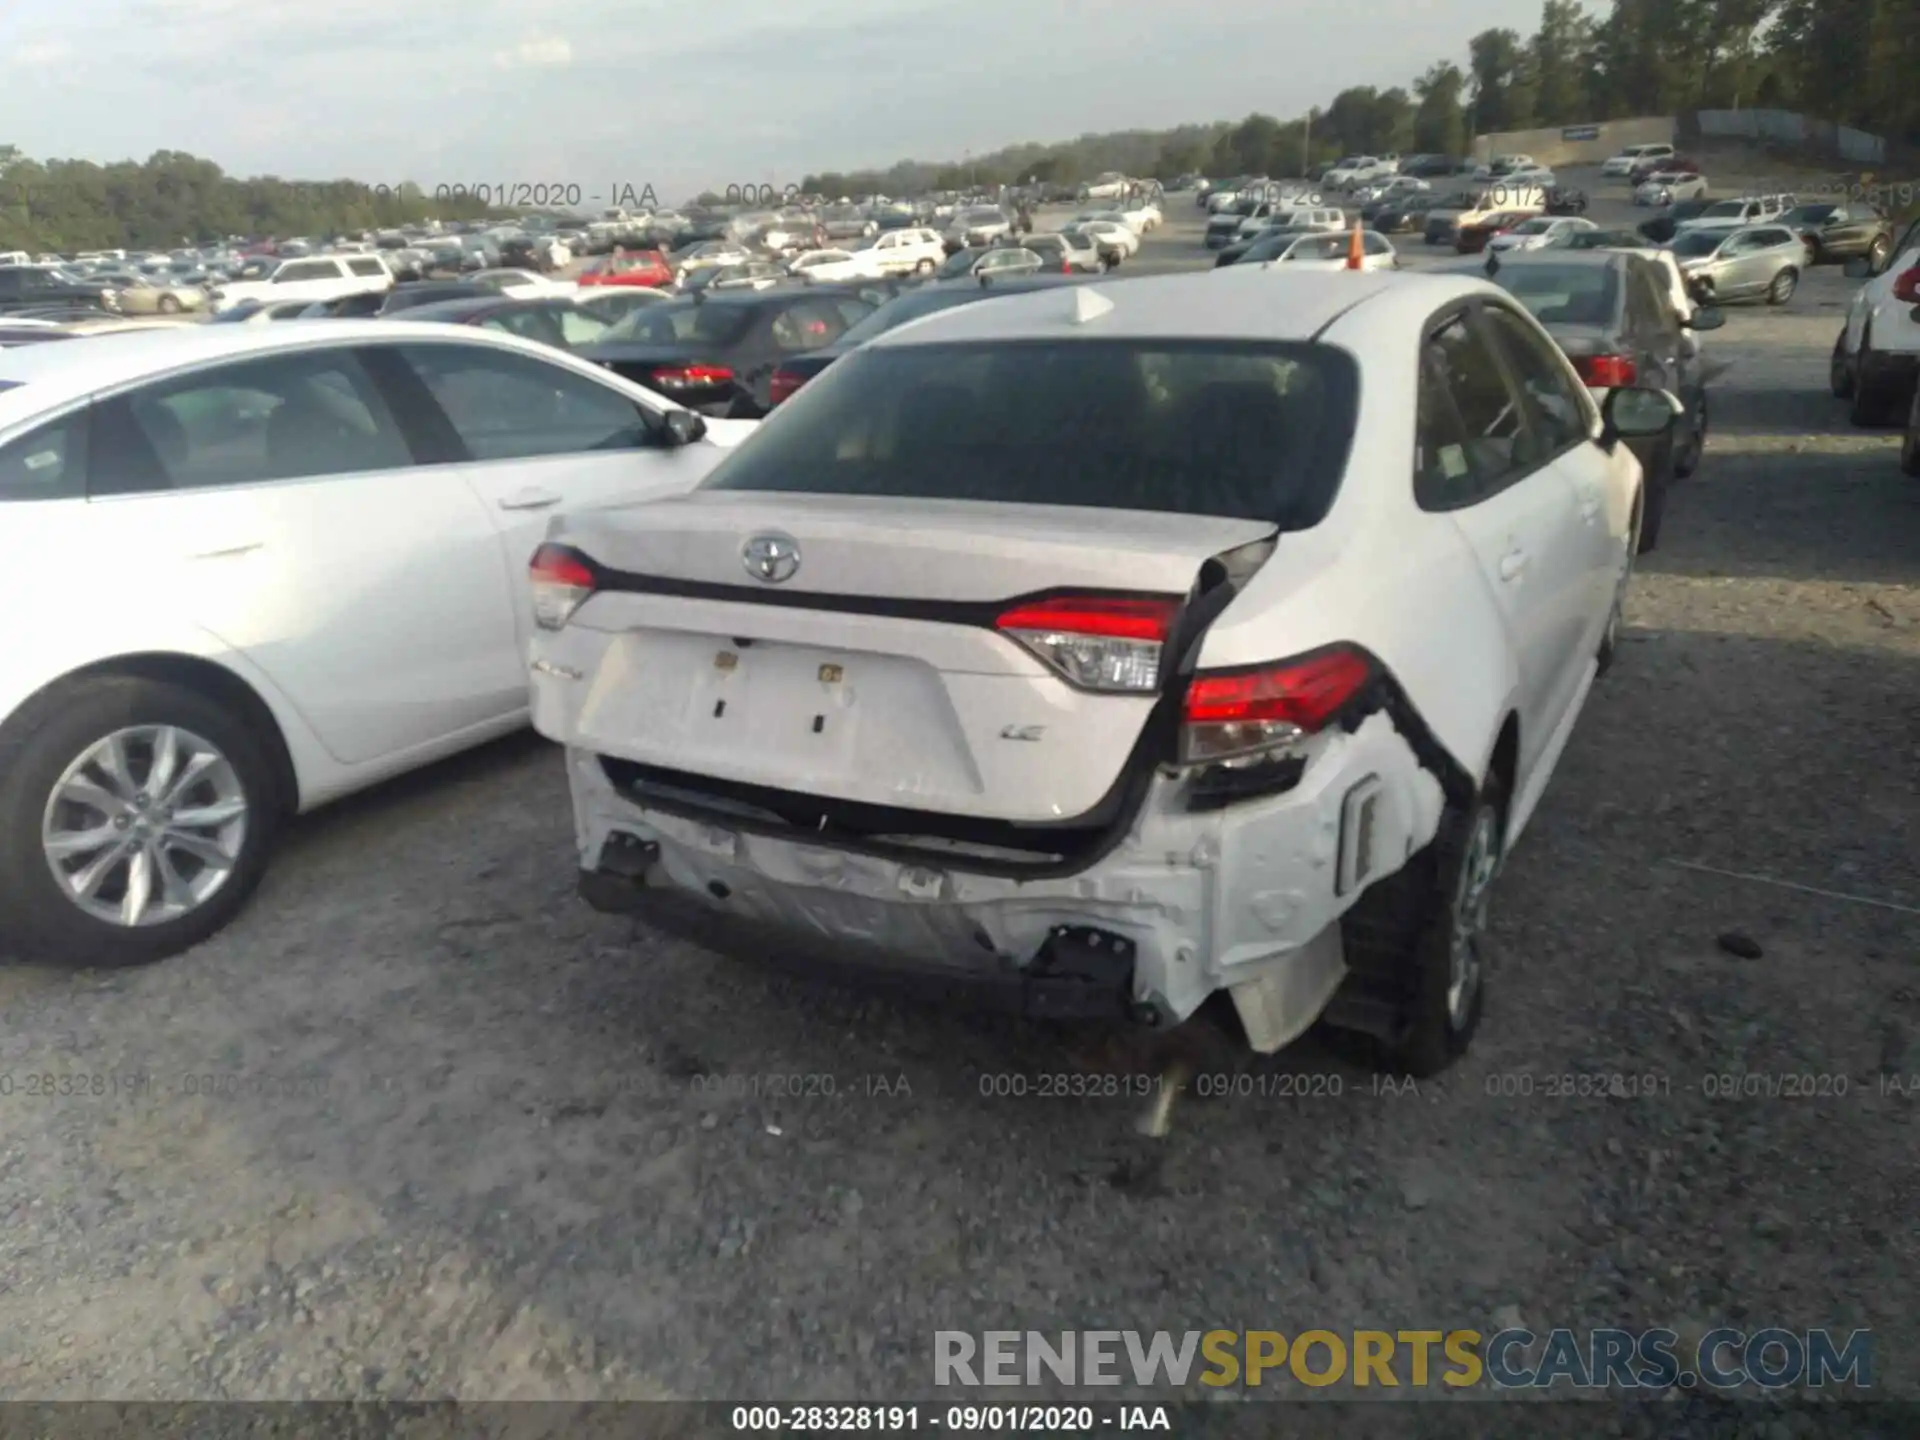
[(606, 94)]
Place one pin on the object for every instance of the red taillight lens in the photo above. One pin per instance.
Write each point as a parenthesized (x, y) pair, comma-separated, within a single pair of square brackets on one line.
[(1109, 644), (561, 580), (685, 377), (1606, 372), (783, 384), (1906, 286), (1236, 714)]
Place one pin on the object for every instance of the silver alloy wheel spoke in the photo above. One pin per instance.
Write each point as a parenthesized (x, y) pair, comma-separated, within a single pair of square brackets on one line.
[(145, 826), (1471, 903)]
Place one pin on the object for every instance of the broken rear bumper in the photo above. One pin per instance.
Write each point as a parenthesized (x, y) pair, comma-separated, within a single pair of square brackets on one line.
[(1243, 897)]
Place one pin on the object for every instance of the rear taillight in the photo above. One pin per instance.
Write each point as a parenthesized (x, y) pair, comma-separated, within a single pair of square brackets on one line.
[(1906, 286), (1244, 714), (562, 580), (1110, 644), (686, 377), (1606, 372), (783, 385)]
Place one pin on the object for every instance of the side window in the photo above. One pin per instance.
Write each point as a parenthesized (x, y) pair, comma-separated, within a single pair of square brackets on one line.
[(1498, 444), (807, 326), (1554, 397), (579, 327), (282, 418), (1443, 478), (49, 463), (508, 407), (368, 267), (527, 324)]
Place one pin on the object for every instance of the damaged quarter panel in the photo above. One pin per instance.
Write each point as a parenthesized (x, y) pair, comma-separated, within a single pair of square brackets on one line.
[(1431, 622)]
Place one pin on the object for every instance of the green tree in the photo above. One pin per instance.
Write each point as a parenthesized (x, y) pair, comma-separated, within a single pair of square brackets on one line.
[(1439, 120)]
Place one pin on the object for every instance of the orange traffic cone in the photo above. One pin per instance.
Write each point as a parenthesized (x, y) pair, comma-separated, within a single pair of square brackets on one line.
[(1356, 249)]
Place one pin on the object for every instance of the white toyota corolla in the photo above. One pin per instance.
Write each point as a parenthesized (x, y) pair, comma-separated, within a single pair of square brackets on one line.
[(1112, 646), (248, 569)]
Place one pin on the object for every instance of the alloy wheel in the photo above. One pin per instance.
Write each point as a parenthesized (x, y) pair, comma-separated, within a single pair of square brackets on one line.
[(145, 826)]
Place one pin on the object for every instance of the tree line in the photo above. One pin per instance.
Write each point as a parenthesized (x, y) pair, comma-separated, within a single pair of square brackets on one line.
[(175, 199), (1849, 61)]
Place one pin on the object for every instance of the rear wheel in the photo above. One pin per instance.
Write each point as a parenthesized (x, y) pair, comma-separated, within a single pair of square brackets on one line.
[(136, 818), (1910, 442), (169, 305), (1784, 284), (1840, 369), (1876, 396), (925, 267), (1653, 503), (1415, 940)]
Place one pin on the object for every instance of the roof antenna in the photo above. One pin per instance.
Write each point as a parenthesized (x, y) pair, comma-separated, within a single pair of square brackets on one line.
[(1088, 305)]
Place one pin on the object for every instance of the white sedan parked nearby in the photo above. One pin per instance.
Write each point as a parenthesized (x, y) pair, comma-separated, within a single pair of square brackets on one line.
[(1333, 250), (1666, 186), (306, 571), (1257, 703), (837, 265), (1543, 232)]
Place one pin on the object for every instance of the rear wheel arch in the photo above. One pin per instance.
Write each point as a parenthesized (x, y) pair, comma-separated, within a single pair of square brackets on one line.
[(191, 672)]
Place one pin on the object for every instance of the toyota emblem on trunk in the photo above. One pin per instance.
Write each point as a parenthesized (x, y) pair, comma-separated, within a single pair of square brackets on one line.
[(772, 557)]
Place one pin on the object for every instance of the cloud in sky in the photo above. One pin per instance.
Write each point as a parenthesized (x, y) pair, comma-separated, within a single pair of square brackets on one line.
[(536, 52), (645, 92)]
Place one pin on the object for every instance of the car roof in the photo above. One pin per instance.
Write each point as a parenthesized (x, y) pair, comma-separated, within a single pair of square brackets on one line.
[(456, 308), (1222, 304)]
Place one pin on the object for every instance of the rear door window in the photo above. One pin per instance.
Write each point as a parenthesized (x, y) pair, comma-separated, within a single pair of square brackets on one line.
[(47, 463), (1247, 431)]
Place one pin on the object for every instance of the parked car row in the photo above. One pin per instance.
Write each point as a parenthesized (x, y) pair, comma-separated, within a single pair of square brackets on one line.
[(938, 665)]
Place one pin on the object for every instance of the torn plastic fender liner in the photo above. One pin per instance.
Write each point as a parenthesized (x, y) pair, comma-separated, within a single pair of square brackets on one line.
[(1385, 694)]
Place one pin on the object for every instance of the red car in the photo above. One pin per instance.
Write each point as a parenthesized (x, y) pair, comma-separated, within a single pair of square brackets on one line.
[(634, 267)]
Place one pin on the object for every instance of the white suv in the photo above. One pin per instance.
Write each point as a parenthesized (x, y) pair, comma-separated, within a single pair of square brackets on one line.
[(906, 252), (1876, 359), (1738, 213), (1256, 705), (315, 277), (1623, 164)]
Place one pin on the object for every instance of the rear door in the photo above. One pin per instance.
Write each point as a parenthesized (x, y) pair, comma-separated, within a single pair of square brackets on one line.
[(530, 438), (279, 502), (1489, 462)]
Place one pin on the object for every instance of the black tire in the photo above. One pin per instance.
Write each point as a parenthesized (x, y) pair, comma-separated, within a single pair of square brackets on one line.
[(1910, 442), (46, 737), (1783, 286), (1399, 939), (925, 267), (1696, 448), (1840, 369), (1876, 401), (1616, 620), (1653, 496)]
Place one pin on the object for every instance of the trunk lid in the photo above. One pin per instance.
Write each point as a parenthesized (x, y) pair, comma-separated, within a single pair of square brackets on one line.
[(872, 676)]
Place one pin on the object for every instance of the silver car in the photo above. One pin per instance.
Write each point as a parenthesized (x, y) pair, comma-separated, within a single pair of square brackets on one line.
[(1756, 262)]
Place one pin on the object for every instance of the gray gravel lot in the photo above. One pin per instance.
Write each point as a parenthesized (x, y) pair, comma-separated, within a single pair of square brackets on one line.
[(472, 1139)]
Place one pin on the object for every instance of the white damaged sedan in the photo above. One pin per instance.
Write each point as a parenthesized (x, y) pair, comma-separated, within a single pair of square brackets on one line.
[(1107, 647)]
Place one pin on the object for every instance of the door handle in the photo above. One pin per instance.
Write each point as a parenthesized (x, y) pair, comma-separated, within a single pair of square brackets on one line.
[(243, 547), (532, 498), (1513, 564)]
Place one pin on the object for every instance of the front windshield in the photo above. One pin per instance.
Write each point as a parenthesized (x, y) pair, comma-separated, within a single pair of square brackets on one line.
[(1562, 294)]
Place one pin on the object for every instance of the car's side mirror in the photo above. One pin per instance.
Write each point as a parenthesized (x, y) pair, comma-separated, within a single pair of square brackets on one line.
[(683, 427), (1706, 318), (1634, 412), (1858, 268)]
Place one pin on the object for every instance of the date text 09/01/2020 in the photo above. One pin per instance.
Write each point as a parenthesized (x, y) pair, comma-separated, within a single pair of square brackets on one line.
[(571, 194)]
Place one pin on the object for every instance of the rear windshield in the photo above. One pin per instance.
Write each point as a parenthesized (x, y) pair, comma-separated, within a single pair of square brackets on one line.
[(1247, 431), (1563, 294), (908, 307), (676, 324)]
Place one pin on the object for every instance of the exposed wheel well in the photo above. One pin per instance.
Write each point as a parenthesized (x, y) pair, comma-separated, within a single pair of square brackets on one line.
[(215, 682)]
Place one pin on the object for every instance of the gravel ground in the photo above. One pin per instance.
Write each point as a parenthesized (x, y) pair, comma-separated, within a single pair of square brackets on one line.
[(468, 1138)]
